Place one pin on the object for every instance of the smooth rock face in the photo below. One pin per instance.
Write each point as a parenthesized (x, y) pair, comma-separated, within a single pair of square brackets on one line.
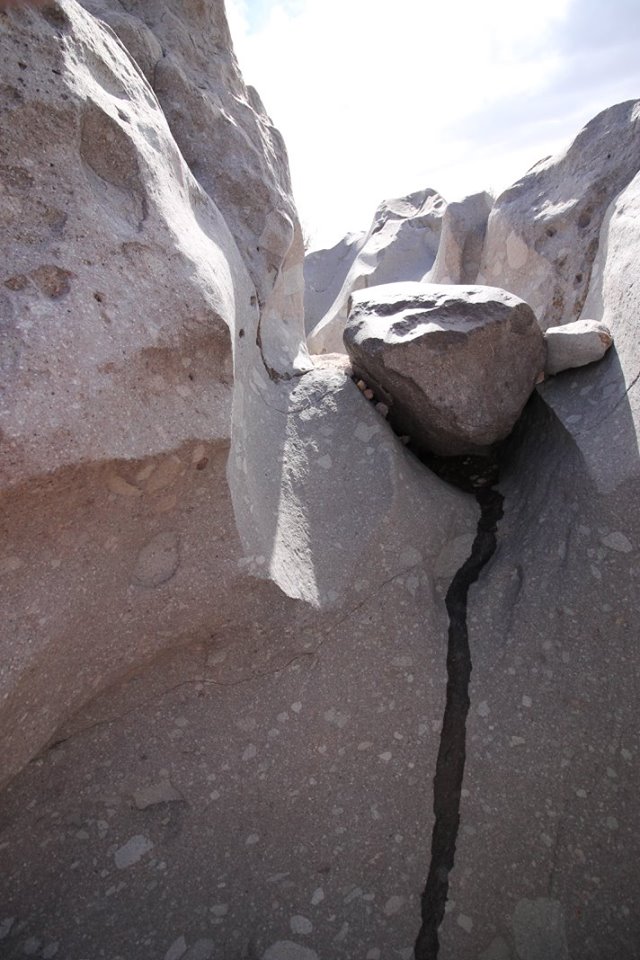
[(576, 344), (401, 244), (463, 231), (157, 454), (542, 235), (324, 273), (455, 365)]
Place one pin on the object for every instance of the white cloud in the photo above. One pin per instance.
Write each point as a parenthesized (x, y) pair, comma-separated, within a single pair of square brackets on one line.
[(377, 100)]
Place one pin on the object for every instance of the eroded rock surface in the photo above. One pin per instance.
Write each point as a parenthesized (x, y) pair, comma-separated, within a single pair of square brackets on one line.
[(455, 365), (152, 403), (325, 272), (179, 479), (542, 236)]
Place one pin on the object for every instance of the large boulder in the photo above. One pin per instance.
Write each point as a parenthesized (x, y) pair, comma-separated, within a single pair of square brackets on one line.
[(455, 365), (463, 231), (543, 231), (401, 244)]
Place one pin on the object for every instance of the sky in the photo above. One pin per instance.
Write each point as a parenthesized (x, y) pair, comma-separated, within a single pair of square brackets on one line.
[(377, 100)]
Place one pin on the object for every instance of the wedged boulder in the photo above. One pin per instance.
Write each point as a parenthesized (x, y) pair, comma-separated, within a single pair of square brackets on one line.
[(576, 344), (543, 231), (401, 244), (463, 231), (455, 365)]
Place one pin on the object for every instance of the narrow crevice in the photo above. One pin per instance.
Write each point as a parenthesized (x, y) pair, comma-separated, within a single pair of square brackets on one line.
[(447, 785)]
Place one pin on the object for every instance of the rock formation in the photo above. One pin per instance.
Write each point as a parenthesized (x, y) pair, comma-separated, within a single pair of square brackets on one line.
[(324, 273), (463, 231), (454, 365), (401, 244), (223, 577), (543, 232)]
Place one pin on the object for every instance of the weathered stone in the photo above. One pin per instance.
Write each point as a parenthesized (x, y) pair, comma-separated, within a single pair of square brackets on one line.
[(455, 365), (324, 273), (401, 244), (576, 344), (460, 249), (542, 235)]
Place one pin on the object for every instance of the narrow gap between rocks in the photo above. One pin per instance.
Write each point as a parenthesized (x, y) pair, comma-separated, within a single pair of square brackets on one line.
[(447, 784), (478, 475)]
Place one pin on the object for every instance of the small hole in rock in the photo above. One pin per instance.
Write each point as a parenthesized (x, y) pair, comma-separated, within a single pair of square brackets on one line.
[(241, 332), (98, 297)]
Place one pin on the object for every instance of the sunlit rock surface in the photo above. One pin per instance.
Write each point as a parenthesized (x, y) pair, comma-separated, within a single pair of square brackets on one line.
[(543, 232), (223, 636), (401, 244)]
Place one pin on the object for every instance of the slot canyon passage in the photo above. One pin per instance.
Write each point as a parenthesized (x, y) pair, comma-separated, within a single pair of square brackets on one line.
[(227, 582)]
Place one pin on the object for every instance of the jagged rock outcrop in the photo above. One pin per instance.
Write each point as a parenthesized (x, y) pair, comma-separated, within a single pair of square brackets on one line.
[(576, 344), (455, 366), (464, 226), (324, 274), (542, 235), (401, 244)]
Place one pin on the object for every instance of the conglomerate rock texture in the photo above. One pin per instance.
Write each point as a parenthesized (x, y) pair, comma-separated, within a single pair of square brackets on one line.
[(223, 635)]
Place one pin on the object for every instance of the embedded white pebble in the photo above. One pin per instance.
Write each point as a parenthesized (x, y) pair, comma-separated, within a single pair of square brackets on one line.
[(526, 701), (336, 718), (386, 756), (465, 922), (252, 839), (317, 897), (393, 905), (132, 851), (483, 709), (617, 541), (220, 909), (288, 950), (300, 925), (177, 949), (250, 752), (296, 707)]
